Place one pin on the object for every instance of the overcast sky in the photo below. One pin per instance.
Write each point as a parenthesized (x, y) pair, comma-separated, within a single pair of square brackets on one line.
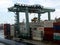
[(8, 17)]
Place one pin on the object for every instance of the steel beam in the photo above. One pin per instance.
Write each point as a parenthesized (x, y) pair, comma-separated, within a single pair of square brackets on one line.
[(27, 21), (49, 16), (39, 17), (17, 25)]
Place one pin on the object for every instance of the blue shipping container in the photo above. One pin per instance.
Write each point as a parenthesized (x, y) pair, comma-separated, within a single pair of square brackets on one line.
[(56, 27)]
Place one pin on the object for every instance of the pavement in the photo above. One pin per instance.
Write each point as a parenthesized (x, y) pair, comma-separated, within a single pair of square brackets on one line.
[(39, 42), (9, 42)]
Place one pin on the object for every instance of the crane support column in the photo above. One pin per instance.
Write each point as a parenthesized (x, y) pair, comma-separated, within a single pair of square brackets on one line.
[(39, 17), (49, 16), (27, 21), (17, 25)]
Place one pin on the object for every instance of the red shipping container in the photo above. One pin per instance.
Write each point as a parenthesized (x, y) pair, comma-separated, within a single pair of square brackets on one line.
[(56, 23), (6, 29), (5, 32), (48, 34), (48, 37), (56, 41), (48, 28), (57, 31)]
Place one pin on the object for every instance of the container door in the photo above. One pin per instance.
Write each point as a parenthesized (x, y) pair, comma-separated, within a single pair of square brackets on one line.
[(38, 35)]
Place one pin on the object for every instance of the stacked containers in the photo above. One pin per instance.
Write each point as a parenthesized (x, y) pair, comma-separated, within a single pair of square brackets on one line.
[(12, 31), (48, 33), (38, 33), (48, 23), (48, 30), (34, 32), (56, 35), (56, 27), (7, 31)]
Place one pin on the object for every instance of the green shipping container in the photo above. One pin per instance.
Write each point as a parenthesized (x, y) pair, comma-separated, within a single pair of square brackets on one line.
[(56, 36)]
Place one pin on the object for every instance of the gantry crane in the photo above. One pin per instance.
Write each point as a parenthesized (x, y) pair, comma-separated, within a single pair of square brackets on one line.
[(28, 9)]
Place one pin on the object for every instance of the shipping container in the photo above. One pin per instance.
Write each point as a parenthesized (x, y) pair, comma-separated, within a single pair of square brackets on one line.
[(38, 33), (25, 33), (56, 23), (48, 37), (40, 28), (6, 30), (12, 30), (48, 34), (48, 23), (56, 36), (57, 31), (56, 27), (48, 29), (56, 42)]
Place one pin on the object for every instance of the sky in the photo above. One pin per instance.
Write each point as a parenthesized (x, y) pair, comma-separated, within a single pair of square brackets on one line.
[(9, 17)]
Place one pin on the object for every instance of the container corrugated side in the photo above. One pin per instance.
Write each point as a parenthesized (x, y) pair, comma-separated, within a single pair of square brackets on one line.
[(48, 28), (48, 24), (48, 37), (56, 27), (48, 34), (56, 31), (56, 36), (37, 34), (40, 28), (56, 23), (12, 31), (6, 29)]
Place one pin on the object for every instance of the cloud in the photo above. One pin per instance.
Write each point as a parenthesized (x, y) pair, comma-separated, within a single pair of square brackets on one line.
[(9, 17), (56, 14), (46, 3), (4, 15), (5, 3)]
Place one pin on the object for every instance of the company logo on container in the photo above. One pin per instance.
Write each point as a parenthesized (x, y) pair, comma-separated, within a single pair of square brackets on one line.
[(40, 28)]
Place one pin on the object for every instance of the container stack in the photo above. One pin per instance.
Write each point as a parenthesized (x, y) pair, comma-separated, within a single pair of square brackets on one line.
[(38, 33), (48, 34), (48, 30), (56, 35), (56, 26), (12, 31), (48, 24), (7, 31)]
